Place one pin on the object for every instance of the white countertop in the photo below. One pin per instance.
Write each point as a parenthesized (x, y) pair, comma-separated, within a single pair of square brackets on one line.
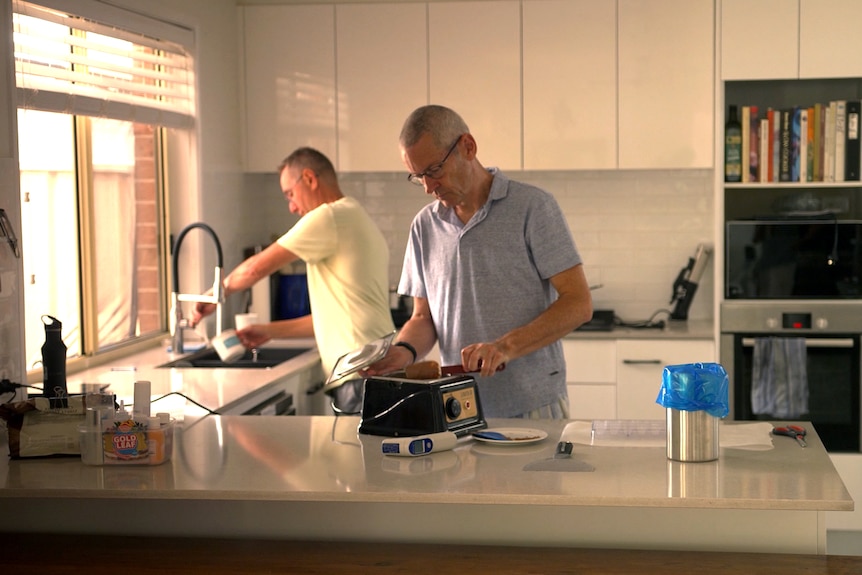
[(673, 329), (323, 458), (317, 478), (218, 389)]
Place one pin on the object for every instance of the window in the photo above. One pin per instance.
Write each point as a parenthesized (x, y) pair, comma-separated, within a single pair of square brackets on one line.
[(97, 104)]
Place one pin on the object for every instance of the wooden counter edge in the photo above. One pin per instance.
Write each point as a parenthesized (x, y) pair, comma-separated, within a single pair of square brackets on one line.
[(49, 554)]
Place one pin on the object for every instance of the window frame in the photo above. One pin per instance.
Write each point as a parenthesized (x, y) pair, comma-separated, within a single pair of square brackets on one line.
[(172, 125)]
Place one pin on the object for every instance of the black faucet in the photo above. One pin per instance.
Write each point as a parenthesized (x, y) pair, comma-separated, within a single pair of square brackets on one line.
[(217, 297)]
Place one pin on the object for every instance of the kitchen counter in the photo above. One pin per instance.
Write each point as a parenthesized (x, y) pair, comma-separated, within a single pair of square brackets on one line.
[(225, 390), (316, 478), (673, 329)]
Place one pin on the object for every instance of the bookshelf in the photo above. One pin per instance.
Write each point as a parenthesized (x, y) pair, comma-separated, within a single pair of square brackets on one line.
[(774, 198)]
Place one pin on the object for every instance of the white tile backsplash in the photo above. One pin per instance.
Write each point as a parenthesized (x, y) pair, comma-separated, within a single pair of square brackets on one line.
[(634, 229)]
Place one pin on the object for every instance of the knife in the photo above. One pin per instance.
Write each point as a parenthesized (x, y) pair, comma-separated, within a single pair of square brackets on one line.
[(459, 369), (431, 370)]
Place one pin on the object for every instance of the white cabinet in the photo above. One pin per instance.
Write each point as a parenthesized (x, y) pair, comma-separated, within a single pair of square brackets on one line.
[(666, 90), (759, 39), (788, 39), (829, 38), (543, 84), (591, 378), (382, 60), (621, 378), (608, 86), (570, 84), (289, 82), (640, 364), (475, 69)]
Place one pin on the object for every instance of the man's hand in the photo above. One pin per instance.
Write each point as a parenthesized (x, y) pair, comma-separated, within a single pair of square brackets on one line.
[(483, 358), (201, 311), (254, 335), (396, 359)]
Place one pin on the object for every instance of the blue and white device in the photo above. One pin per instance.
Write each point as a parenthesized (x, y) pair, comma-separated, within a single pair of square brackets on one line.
[(419, 445)]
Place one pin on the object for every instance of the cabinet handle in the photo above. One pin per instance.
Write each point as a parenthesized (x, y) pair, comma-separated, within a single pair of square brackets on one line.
[(642, 361)]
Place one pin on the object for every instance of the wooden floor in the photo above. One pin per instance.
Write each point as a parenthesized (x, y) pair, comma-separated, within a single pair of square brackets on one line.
[(47, 554)]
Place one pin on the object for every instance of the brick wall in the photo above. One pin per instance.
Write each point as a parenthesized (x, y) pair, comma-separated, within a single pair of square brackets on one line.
[(146, 232)]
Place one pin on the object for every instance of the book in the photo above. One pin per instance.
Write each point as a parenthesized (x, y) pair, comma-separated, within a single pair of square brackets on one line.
[(852, 145), (803, 145), (795, 139), (775, 145), (764, 139), (784, 146), (810, 145), (754, 146), (829, 143), (746, 143), (840, 135), (818, 143)]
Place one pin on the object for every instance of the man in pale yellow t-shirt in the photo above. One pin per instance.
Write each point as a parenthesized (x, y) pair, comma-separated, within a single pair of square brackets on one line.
[(347, 262)]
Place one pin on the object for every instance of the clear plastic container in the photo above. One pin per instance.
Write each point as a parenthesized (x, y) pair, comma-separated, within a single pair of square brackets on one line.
[(127, 442)]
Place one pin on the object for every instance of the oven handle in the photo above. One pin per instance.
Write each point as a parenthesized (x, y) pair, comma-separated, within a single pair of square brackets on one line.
[(842, 342)]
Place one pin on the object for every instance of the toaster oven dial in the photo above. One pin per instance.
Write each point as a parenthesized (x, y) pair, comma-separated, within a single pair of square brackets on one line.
[(453, 408)]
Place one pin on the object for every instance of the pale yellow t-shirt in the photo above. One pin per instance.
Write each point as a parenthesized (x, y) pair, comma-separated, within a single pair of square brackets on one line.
[(347, 261)]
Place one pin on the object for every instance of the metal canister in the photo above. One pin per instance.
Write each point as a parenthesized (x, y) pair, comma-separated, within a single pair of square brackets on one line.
[(691, 435)]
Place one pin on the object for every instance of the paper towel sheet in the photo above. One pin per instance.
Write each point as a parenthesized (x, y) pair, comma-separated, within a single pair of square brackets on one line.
[(752, 436)]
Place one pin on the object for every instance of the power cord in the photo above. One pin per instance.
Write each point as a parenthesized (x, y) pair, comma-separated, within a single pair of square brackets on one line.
[(7, 386), (650, 323), (189, 399)]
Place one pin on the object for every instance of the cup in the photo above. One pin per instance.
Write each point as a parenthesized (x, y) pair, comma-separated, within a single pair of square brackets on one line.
[(228, 346), (243, 320)]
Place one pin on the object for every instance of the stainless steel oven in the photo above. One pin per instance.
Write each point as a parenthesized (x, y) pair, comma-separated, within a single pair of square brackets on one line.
[(831, 331)]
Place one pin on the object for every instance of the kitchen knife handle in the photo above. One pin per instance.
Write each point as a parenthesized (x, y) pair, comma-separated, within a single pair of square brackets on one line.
[(459, 369)]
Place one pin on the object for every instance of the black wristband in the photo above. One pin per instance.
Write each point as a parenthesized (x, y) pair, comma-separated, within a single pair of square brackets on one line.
[(408, 347)]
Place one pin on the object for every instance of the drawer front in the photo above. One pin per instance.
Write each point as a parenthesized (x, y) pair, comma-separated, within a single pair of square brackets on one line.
[(640, 364)]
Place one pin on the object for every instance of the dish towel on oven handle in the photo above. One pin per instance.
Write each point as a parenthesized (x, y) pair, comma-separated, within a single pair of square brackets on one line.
[(779, 379)]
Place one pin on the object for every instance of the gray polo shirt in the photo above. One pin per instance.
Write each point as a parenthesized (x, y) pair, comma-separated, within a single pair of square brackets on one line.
[(484, 278)]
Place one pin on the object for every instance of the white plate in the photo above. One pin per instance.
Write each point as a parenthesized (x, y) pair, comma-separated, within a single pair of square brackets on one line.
[(514, 435)]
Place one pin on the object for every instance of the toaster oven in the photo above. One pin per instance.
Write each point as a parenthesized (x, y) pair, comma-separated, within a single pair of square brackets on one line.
[(398, 407)]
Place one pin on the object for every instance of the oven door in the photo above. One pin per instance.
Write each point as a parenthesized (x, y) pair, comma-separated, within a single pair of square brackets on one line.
[(833, 364)]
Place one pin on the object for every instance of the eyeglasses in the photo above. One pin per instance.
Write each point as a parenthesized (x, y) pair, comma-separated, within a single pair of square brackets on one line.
[(434, 171)]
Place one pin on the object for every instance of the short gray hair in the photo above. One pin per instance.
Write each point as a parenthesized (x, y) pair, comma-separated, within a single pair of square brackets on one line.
[(309, 158), (443, 124)]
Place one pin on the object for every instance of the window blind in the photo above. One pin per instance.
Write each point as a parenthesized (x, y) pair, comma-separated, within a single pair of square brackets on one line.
[(76, 65)]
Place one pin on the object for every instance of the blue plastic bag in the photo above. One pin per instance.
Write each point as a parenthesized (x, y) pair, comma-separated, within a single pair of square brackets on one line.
[(695, 387)]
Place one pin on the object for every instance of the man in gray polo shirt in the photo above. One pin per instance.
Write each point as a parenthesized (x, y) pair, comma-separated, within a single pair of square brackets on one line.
[(493, 270)]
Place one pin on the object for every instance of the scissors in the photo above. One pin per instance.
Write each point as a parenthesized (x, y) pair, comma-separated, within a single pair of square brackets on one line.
[(795, 431)]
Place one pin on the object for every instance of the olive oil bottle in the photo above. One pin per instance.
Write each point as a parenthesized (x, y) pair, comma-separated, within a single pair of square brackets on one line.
[(733, 147)]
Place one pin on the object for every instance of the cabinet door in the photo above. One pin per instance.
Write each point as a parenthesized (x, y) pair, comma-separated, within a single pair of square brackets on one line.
[(759, 39), (829, 38), (666, 74), (590, 361), (382, 60), (640, 364), (570, 85), (289, 71), (475, 69), (591, 377), (592, 402)]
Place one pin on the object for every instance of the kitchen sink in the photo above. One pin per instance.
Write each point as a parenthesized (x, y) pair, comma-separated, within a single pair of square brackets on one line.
[(266, 357)]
